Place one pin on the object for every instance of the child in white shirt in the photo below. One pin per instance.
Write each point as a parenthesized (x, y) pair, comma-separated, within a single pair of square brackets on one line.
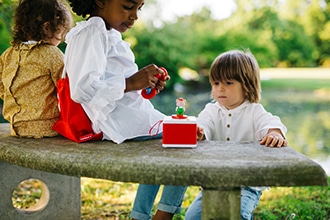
[(237, 116)]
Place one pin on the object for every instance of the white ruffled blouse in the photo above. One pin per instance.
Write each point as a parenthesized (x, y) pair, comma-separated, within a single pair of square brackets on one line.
[(97, 61)]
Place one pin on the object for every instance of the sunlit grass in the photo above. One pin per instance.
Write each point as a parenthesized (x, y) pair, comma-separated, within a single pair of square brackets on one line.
[(105, 202), (103, 199), (295, 203), (108, 200), (27, 194), (297, 84)]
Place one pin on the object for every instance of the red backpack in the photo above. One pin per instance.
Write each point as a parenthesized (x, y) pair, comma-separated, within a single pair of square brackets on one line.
[(73, 122)]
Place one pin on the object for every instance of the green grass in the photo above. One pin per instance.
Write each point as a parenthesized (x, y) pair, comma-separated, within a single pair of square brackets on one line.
[(296, 84), (103, 199), (295, 203), (110, 200)]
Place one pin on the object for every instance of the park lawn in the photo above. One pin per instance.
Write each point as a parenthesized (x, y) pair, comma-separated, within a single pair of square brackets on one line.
[(295, 78), (295, 203), (297, 84), (102, 199)]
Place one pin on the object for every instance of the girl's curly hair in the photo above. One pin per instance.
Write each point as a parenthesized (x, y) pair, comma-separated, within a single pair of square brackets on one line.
[(31, 15), (83, 7)]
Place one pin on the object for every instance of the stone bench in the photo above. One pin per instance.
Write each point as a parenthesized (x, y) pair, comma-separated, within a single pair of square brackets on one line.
[(221, 169)]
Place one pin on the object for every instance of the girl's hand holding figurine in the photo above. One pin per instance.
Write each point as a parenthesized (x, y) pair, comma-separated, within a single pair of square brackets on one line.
[(146, 78)]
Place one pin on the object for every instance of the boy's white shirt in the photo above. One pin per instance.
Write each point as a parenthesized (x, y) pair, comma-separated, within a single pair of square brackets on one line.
[(246, 123), (97, 62)]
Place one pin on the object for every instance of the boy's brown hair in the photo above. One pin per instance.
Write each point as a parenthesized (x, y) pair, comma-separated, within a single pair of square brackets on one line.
[(240, 66)]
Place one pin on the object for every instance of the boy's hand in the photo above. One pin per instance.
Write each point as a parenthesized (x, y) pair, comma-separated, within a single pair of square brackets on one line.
[(200, 134), (274, 138)]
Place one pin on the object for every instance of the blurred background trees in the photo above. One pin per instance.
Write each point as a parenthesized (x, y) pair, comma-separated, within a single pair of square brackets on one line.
[(280, 33)]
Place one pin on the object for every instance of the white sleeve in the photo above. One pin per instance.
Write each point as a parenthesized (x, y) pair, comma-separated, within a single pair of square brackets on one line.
[(86, 65), (206, 121), (264, 121)]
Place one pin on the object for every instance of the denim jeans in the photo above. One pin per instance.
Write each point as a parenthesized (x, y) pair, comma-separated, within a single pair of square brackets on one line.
[(170, 201), (145, 138), (249, 201)]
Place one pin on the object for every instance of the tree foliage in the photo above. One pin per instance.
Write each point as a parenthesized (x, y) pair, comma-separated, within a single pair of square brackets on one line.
[(279, 33), (6, 19)]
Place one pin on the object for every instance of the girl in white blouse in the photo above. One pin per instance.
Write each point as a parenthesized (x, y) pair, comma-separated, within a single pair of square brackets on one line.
[(237, 116), (102, 71), (106, 81)]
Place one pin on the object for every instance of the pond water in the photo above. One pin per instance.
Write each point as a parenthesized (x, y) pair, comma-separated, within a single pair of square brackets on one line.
[(305, 114)]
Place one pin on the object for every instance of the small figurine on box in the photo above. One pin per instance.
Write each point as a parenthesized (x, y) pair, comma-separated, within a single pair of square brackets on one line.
[(173, 127), (180, 108)]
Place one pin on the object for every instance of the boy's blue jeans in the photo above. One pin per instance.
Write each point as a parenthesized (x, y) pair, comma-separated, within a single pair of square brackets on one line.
[(249, 201), (170, 201)]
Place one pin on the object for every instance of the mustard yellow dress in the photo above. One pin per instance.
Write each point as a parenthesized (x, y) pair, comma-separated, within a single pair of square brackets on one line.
[(28, 76)]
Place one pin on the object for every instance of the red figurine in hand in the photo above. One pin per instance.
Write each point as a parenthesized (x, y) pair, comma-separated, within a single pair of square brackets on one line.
[(149, 92)]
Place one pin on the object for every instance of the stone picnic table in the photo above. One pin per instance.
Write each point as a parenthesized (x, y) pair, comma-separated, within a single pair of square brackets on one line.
[(220, 168)]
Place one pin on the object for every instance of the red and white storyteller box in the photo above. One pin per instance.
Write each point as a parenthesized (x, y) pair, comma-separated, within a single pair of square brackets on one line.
[(179, 132)]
